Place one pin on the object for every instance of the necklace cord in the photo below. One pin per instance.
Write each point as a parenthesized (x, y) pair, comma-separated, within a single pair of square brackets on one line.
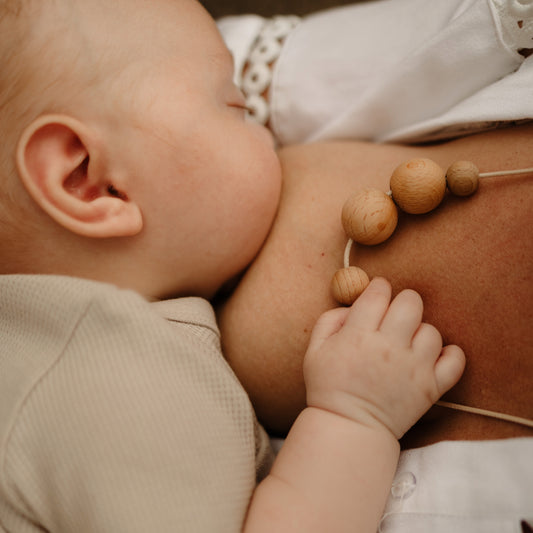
[(450, 405), (485, 412)]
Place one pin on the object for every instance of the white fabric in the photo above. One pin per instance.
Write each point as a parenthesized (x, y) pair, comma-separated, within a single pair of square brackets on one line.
[(399, 70), (257, 73), (462, 487), (239, 34)]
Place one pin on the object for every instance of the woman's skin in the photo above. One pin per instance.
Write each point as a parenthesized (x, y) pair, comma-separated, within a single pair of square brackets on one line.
[(471, 260)]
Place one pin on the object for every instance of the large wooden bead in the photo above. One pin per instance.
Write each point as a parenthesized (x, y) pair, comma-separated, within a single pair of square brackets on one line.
[(348, 283), (418, 186), (369, 216), (462, 178)]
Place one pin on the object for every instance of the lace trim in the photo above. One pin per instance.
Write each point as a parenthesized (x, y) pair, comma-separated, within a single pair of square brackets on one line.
[(515, 21), (257, 70)]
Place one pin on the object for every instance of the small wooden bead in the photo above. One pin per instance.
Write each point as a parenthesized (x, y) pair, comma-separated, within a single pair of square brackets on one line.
[(418, 186), (369, 216), (462, 178), (348, 283)]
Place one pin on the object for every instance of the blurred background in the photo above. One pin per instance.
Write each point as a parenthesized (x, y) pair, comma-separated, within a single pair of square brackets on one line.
[(219, 8)]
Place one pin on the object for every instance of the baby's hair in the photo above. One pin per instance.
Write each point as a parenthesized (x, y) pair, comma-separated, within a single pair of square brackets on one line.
[(24, 54), (13, 30), (50, 65), (32, 64), (11, 39), (10, 7)]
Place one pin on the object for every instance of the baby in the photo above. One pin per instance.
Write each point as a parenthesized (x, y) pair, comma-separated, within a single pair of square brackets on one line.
[(133, 189)]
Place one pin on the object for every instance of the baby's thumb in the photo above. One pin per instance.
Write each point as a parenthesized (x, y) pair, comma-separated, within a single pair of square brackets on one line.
[(327, 325), (449, 367)]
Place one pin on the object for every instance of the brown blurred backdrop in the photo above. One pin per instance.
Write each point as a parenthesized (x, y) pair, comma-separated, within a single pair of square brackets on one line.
[(218, 8)]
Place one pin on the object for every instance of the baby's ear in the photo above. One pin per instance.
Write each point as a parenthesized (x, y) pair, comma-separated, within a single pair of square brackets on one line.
[(60, 166)]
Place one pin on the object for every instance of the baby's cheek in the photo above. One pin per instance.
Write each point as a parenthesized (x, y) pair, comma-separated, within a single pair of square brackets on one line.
[(268, 178)]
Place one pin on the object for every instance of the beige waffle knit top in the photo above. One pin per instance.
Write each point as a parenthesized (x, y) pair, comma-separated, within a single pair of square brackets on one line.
[(119, 415)]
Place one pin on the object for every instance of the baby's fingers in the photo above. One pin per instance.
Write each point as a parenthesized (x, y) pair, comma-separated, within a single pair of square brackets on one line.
[(369, 309), (327, 325), (403, 318), (449, 368), (427, 341)]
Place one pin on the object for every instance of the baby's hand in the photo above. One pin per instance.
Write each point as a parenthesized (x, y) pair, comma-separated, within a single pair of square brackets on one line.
[(377, 363)]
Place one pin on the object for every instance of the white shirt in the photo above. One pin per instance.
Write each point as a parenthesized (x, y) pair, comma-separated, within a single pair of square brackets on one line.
[(397, 70)]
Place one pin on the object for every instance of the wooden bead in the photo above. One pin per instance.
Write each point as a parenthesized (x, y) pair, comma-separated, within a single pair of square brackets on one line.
[(369, 216), (348, 283), (462, 178), (418, 186)]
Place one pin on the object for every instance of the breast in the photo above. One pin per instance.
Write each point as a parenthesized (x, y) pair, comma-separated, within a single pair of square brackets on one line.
[(470, 260)]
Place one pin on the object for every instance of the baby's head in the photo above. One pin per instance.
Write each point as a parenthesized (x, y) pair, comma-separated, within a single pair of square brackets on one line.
[(126, 156)]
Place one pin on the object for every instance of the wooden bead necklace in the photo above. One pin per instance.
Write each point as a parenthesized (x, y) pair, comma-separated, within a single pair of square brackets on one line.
[(370, 216)]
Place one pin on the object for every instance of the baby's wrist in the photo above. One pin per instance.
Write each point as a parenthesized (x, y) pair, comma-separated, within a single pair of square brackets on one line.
[(360, 420)]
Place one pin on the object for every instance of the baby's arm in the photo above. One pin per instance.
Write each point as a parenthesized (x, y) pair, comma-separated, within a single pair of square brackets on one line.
[(371, 371)]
